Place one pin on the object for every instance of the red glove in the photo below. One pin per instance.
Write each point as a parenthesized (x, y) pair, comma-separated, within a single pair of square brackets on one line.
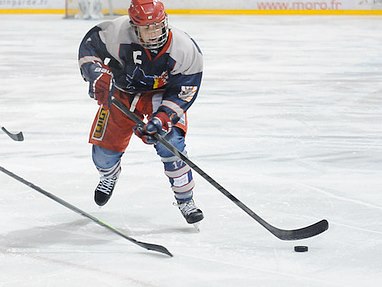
[(159, 123), (100, 87)]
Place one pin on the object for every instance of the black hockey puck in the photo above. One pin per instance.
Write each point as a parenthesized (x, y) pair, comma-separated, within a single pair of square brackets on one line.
[(301, 248)]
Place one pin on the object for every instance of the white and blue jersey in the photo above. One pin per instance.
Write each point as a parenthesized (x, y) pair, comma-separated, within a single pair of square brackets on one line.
[(176, 68)]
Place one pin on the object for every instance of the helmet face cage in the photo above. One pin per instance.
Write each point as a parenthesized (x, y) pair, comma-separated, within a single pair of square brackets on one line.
[(152, 36)]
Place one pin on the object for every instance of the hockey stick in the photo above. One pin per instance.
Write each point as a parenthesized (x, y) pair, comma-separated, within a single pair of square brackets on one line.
[(16, 137), (283, 234), (148, 246)]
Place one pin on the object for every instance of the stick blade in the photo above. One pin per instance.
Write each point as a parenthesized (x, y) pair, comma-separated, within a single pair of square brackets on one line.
[(154, 247), (16, 137), (302, 233)]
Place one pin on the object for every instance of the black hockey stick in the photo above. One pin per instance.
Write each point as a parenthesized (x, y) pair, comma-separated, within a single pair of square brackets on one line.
[(295, 234), (16, 137), (148, 246)]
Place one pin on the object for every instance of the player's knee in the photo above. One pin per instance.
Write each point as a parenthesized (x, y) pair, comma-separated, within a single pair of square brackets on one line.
[(104, 158), (176, 138)]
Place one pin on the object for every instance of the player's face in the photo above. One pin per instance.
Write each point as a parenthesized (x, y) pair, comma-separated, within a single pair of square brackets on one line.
[(151, 33)]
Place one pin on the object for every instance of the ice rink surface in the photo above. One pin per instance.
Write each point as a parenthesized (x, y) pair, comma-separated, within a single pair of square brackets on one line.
[(288, 120)]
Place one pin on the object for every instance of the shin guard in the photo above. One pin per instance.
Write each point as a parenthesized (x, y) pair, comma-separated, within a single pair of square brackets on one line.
[(180, 177)]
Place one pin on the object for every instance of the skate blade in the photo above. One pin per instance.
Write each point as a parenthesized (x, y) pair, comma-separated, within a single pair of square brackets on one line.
[(196, 226)]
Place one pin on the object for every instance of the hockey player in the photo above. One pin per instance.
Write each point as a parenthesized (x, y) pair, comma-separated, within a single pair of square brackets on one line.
[(156, 72)]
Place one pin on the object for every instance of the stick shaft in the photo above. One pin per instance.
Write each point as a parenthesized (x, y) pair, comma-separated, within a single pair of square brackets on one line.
[(145, 245), (282, 234)]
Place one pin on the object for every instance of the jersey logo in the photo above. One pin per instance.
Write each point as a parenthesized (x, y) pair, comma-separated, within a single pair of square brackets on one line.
[(187, 93), (138, 80), (160, 81), (136, 54)]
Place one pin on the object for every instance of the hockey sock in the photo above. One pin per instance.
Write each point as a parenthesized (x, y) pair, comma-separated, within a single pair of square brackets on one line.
[(113, 171), (180, 177)]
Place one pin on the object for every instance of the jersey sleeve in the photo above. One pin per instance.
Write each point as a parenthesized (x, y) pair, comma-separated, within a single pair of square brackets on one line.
[(185, 78), (92, 51)]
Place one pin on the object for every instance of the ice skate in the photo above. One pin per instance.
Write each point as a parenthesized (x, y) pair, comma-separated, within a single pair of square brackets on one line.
[(104, 190), (190, 212)]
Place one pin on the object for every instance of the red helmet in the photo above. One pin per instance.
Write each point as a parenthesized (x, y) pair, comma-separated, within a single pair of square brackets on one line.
[(149, 14), (146, 12)]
